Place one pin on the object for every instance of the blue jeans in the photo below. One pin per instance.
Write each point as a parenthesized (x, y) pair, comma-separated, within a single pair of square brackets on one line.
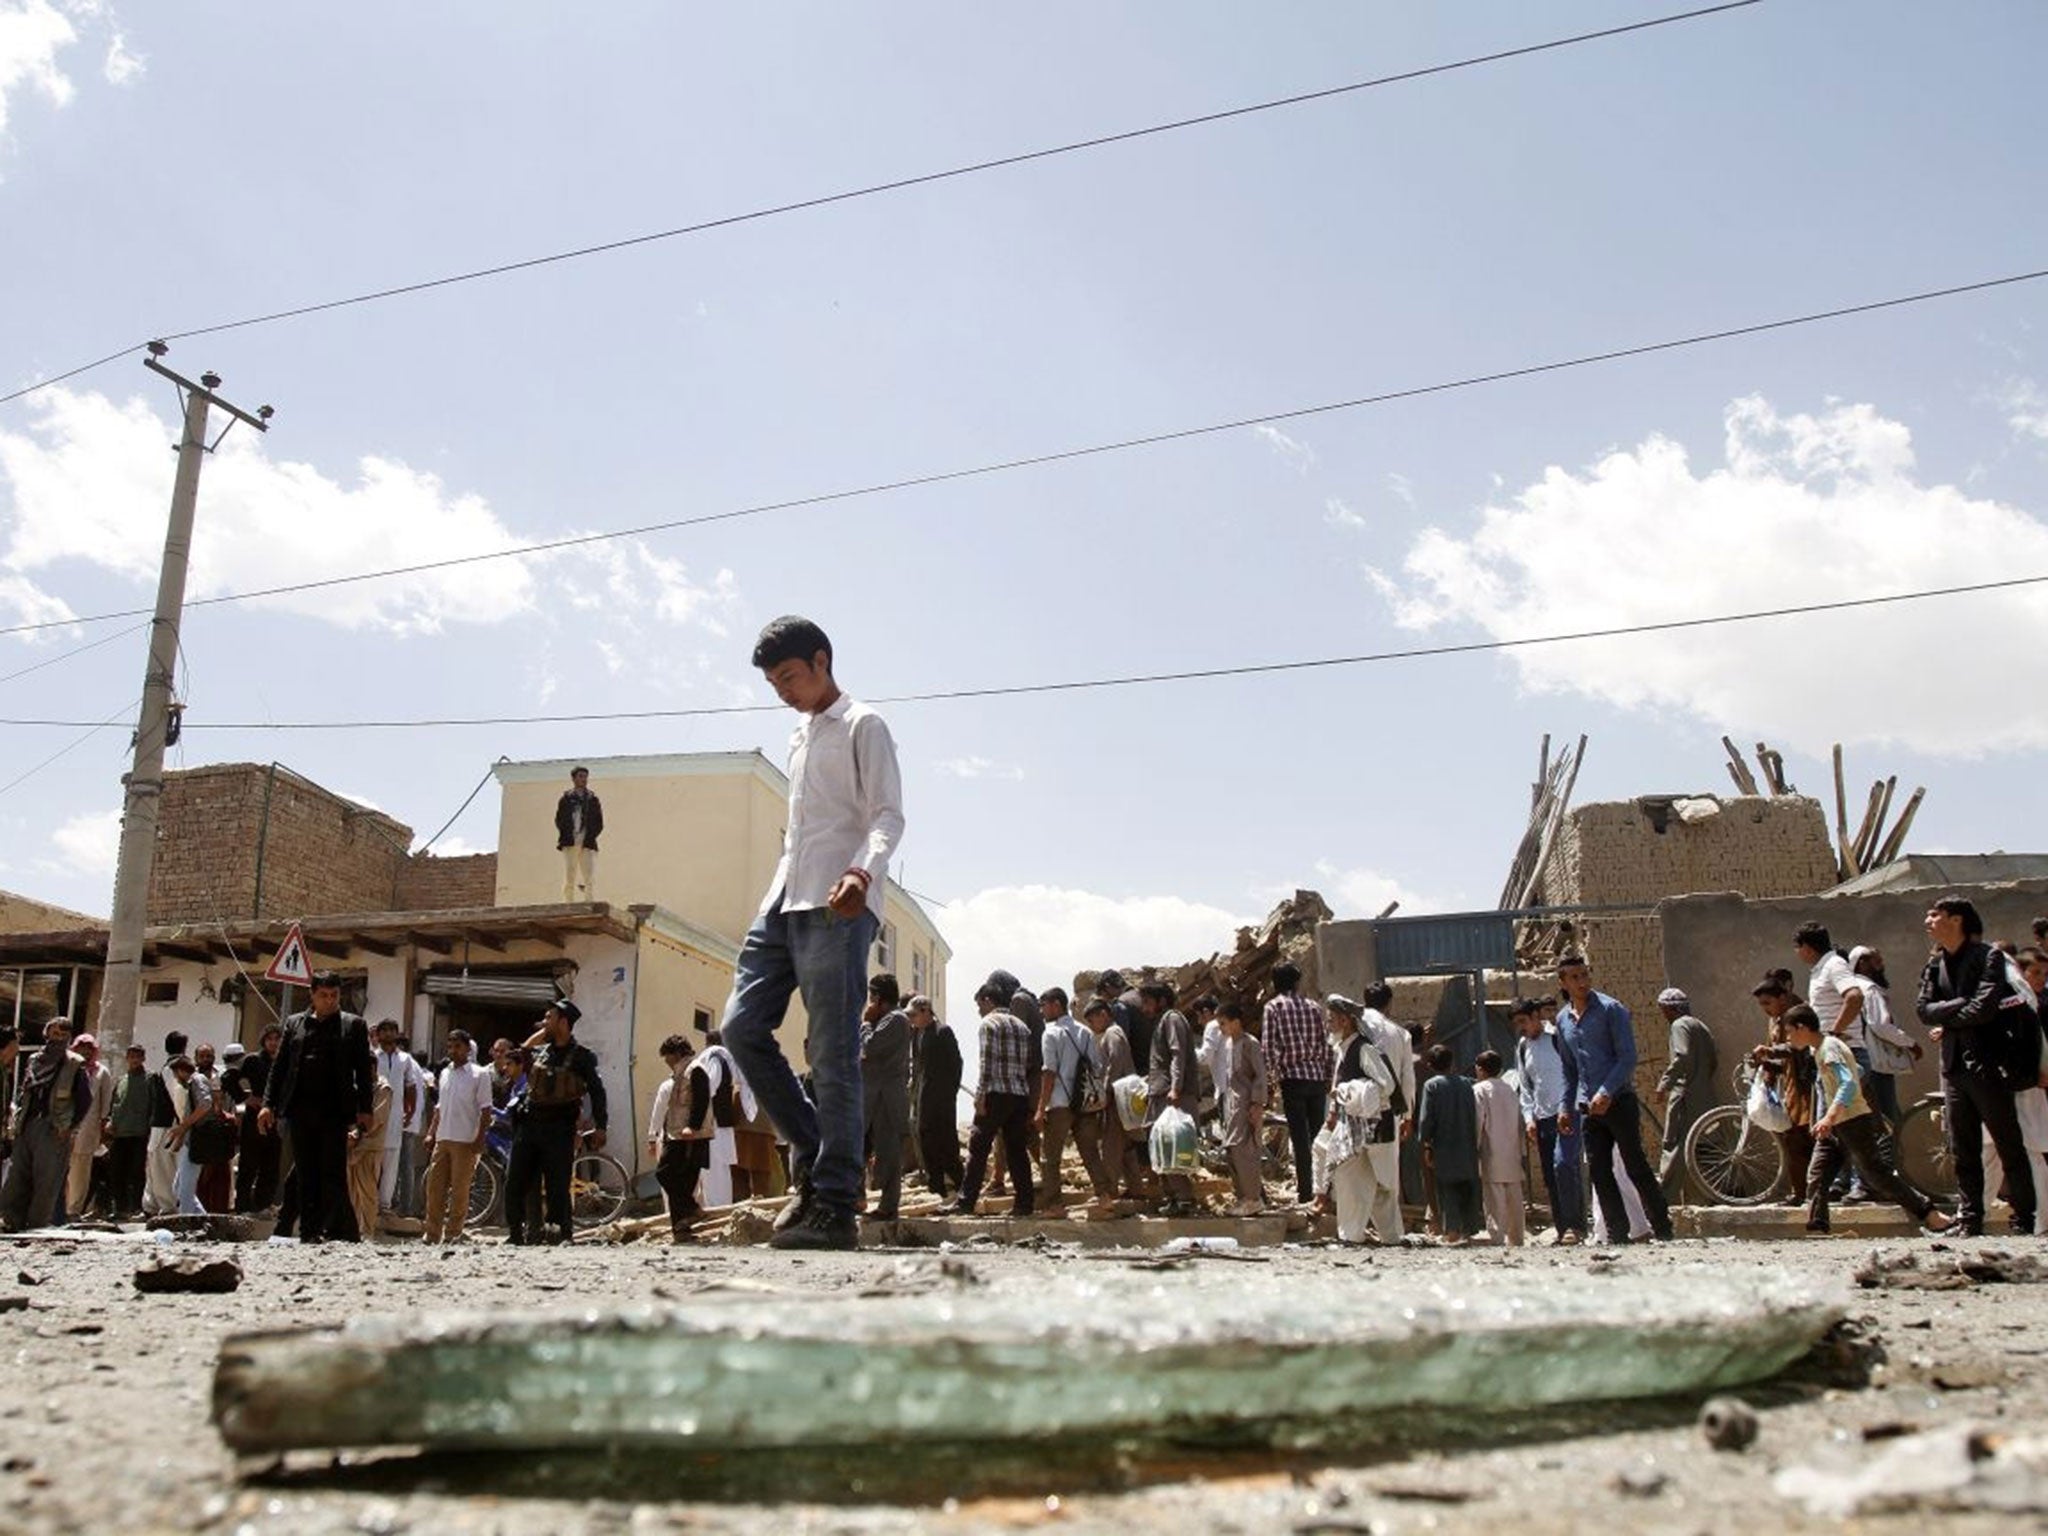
[(1561, 1157), (186, 1183), (825, 957)]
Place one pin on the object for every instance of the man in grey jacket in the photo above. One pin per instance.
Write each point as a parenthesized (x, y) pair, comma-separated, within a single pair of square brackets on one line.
[(885, 1086), (1686, 1090), (53, 1094)]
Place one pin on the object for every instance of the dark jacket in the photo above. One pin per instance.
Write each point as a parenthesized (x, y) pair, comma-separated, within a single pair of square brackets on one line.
[(350, 1093), (565, 819), (1987, 1030), (937, 1052), (885, 1070)]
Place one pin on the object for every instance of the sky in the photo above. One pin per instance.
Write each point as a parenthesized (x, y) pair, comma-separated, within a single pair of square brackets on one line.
[(168, 168)]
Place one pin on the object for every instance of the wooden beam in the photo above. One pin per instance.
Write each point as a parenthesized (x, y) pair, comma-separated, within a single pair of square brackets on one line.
[(1897, 840), (1739, 770), (332, 948), (483, 940), (1867, 832), (1845, 861), (198, 954), (432, 943), (382, 947)]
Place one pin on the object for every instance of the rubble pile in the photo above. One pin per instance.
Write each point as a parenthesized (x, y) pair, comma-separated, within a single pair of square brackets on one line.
[(1244, 975)]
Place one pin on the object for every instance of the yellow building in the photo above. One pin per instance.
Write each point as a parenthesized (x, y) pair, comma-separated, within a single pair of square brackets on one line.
[(696, 834)]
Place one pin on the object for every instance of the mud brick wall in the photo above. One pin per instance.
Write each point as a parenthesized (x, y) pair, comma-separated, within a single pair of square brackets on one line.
[(319, 853), (428, 884), (1615, 853)]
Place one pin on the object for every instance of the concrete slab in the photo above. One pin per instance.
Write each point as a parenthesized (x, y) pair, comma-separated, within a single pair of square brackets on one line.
[(951, 1377)]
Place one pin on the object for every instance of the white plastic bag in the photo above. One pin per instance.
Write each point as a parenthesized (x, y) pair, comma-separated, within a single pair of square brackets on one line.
[(1133, 1103), (1766, 1110), (1175, 1146)]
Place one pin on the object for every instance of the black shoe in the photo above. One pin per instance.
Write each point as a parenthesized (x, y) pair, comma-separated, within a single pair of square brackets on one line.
[(956, 1208), (795, 1210), (821, 1228), (515, 1238)]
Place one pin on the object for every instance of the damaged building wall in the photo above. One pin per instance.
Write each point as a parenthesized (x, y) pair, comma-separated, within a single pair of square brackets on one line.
[(1643, 851), (1716, 946)]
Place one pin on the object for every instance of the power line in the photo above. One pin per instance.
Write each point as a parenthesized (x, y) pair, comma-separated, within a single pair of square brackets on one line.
[(480, 783), (1092, 450), (91, 731), (92, 645), (1131, 680), (904, 183)]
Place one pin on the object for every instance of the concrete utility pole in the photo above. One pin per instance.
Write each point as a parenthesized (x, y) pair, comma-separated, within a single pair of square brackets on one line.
[(122, 985)]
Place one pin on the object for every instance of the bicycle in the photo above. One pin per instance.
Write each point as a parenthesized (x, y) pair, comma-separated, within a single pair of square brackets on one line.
[(599, 1184), (1923, 1152), (1732, 1158)]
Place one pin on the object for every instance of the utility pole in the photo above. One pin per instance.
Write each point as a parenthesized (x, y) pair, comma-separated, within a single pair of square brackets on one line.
[(122, 985)]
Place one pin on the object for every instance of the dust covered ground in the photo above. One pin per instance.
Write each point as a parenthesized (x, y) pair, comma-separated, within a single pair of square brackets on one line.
[(104, 1400)]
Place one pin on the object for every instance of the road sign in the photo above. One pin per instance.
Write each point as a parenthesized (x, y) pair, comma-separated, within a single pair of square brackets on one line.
[(293, 965)]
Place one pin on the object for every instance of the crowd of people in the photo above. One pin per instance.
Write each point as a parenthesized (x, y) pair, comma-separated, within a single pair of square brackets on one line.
[(332, 1127)]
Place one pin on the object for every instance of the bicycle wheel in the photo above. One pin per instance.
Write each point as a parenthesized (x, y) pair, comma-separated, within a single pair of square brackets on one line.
[(483, 1192), (1922, 1142), (598, 1186), (1732, 1159)]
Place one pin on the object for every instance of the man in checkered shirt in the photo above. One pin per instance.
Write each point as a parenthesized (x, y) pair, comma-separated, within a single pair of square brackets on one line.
[(1295, 1037)]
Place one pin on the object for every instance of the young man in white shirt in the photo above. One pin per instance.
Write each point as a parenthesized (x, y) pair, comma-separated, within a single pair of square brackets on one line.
[(408, 1085), (814, 931), (455, 1139)]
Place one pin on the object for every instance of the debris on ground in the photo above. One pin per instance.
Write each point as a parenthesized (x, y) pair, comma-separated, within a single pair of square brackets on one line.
[(220, 1228), (206, 1277), (1728, 1423), (1962, 1467), (1937, 1267), (1244, 976)]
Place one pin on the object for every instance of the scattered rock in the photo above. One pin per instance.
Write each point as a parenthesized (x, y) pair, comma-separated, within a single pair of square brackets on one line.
[(209, 1277), (1728, 1423), (13, 1303), (1639, 1482), (28, 1277)]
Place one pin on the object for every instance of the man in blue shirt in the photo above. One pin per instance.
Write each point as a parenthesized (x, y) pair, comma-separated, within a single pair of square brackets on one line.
[(1600, 1063)]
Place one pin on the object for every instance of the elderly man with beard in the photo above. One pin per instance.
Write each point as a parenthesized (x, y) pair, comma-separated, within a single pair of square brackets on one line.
[(51, 1097)]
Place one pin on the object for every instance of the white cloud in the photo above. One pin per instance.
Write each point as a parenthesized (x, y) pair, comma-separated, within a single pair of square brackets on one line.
[(89, 480), (1365, 892), (122, 67), (1804, 508), (614, 659), (980, 768), (2026, 408), (1402, 489), (89, 844), (1298, 456), (1045, 934), (1338, 514), (455, 846), (32, 35)]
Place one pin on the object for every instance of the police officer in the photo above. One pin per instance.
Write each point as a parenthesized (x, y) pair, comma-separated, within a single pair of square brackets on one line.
[(544, 1120)]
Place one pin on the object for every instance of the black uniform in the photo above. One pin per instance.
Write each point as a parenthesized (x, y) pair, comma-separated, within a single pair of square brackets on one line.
[(324, 1078), (935, 1054), (256, 1172), (544, 1122)]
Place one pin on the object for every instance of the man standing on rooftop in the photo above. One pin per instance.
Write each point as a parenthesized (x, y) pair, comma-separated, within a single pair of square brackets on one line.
[(579, 818), (814, 931)]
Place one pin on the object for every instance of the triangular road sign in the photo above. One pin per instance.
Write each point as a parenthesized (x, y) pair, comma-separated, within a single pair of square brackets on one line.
[(293, 965)]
